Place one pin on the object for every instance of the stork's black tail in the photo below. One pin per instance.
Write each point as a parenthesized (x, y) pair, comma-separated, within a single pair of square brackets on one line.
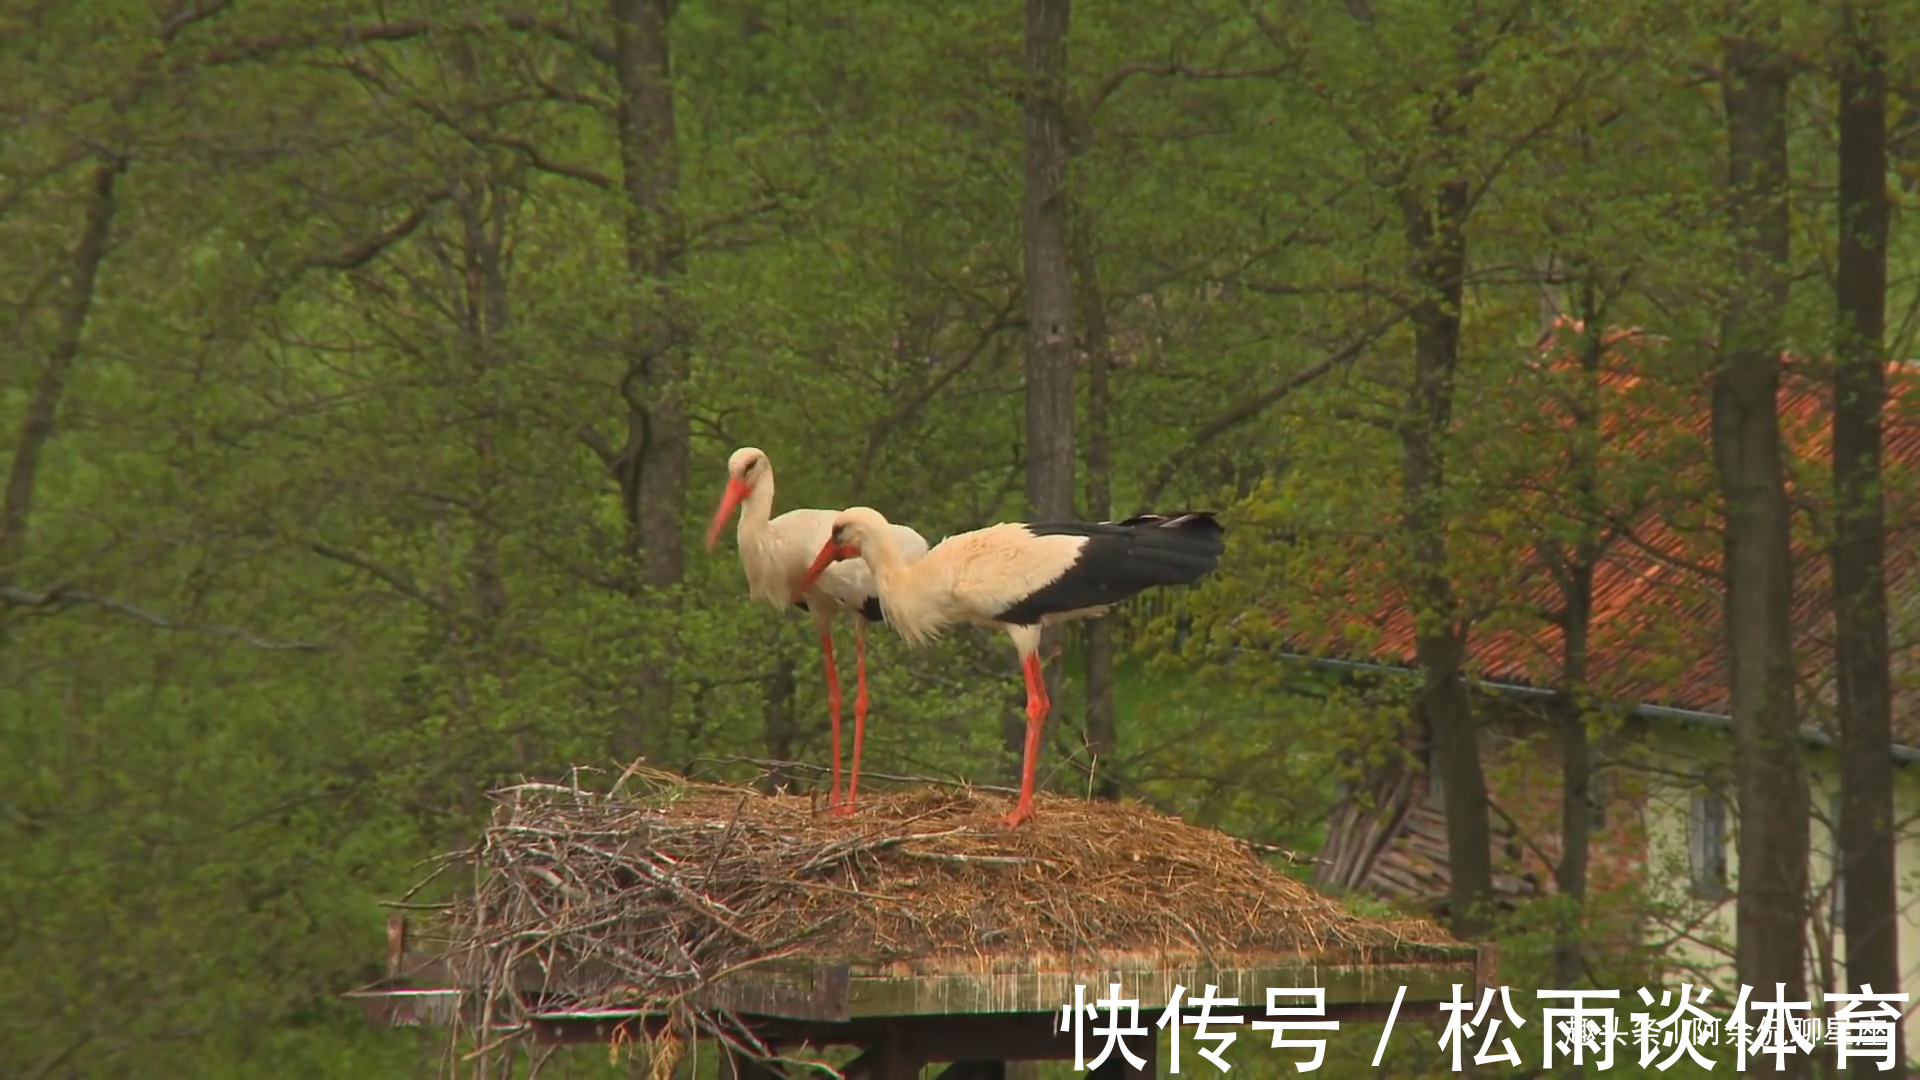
[(1123, 558), (1172, 549)]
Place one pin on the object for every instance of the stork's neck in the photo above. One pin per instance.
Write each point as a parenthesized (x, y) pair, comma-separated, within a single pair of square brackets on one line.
[(756, 510), (912, 604), (891, 570)]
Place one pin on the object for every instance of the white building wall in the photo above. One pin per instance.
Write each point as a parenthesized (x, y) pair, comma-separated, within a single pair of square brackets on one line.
[(1700, 929)]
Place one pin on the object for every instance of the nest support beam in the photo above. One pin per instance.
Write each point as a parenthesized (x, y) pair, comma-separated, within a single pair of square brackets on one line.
[(978, 1048)]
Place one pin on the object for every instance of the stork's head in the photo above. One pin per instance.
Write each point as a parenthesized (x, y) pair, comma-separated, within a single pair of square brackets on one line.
[(854, 529), (747, 469)]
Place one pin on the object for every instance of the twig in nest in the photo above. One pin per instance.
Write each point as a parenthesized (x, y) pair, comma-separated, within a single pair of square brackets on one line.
[(995, 860)]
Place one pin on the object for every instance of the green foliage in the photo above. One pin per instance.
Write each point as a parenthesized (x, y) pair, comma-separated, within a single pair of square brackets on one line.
[(321, 547)]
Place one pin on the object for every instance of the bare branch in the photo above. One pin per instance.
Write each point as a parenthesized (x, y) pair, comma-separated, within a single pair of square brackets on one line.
[(555, 92), (359, 255), (391, 578), (540, 161), (1357, 416), (878, 431), (1281, 288), (482, 516), (29, 179), (561, 32), (189, 15), (37, 426), (597, 443), (1252, 407), (62, 596), (354, 34), (1624, 530), (398, 582), (707, 228), (1173, 69)]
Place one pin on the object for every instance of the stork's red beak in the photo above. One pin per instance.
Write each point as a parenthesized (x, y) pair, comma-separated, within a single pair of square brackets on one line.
[(830, 553), (737, 490)]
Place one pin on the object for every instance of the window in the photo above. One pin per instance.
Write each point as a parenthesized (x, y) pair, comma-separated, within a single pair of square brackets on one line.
[(1707, 846)]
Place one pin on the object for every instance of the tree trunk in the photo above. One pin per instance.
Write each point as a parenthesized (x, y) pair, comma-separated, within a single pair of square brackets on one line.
[(1439, 247), (652, 466), (1049, 295), (44, 406), (1576, 625), (481, 203), (1772, 780), (1865, 828), (1103, 738), (1576, 771)]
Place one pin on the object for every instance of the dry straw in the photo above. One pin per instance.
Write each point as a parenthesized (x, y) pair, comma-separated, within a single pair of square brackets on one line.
[(588, 901)]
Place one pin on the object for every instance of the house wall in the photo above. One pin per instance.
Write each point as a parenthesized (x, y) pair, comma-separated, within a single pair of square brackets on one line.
[(1702, 929), (1521, 762), (1651, 770), (1523, 770)]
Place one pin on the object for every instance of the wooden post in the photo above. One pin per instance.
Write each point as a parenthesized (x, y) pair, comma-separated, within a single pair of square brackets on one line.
[(1486, 966), (892, 1056), (888, 1057), (396, 943)]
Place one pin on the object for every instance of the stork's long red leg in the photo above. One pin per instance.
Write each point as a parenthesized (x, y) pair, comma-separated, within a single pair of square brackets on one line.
[(1037, 706), (859, 711), (833, 704)]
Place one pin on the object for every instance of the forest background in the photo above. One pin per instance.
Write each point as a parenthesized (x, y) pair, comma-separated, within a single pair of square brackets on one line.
[(368, 372)]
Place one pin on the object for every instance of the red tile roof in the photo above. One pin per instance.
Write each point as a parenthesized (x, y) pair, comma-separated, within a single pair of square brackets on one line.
[(1656, 635)]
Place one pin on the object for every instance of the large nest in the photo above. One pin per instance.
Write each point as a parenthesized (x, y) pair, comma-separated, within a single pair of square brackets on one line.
[(641, 897)]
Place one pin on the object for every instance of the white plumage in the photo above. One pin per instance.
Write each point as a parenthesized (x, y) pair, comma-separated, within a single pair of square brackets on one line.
[(1020, 577), (775, 553)]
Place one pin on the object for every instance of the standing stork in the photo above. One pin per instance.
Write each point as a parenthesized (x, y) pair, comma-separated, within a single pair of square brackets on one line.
[(775, 552), (1021, 577)]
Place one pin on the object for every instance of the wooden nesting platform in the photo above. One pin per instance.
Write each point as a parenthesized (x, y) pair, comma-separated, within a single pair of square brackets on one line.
[(920, 929)]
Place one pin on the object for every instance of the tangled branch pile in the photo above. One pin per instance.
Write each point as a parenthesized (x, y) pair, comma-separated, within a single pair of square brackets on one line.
[(641, 897)]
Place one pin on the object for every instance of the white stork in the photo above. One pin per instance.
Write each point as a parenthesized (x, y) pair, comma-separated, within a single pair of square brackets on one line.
[(775, 552), (1020, 577)]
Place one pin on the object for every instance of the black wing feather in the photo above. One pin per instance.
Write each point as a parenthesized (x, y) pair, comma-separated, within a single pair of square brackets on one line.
[(1122, 559), (870, 609)]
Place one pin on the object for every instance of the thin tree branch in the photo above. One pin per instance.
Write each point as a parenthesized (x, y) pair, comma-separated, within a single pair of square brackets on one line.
[(597, 443), (30, 179), (735, 217), (265, 48), (881, 428), (37, 426), (359, 255), (1252, 407), (525, 22), (61, 596), (586, 574), (398, 583), (1624, 530), (189, 15), (1173, 69), (540, 161)]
